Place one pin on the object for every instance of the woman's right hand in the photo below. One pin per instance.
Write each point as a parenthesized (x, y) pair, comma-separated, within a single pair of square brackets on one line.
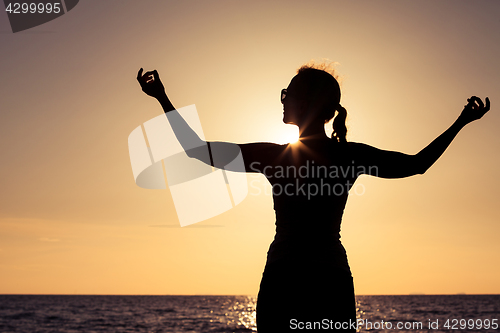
[(151, 84), (474, 110)]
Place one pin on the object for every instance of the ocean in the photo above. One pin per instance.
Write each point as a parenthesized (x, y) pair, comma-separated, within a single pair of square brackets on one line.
[(157, 314)]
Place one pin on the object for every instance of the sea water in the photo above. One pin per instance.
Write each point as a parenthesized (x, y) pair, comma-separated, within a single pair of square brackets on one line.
[(82, 313)]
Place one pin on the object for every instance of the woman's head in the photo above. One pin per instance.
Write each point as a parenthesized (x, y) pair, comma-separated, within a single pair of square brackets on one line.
[(313, 97)]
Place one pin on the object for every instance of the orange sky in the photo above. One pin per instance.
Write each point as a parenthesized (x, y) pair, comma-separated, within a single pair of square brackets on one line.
[(72, 219)]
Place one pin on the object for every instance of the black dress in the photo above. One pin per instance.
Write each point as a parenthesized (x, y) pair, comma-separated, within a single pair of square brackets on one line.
[(307, 281)]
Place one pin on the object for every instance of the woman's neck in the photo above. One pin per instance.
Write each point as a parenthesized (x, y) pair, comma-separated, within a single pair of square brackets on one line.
[(316, 132)]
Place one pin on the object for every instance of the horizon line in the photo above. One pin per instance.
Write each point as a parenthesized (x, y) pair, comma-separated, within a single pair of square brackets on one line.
[(409, 294)]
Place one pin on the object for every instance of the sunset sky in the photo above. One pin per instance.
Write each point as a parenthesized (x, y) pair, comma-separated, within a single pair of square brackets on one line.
[(73, 221)]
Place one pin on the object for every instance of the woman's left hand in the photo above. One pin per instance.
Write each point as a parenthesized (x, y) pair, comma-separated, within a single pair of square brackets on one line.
[(475, 109)]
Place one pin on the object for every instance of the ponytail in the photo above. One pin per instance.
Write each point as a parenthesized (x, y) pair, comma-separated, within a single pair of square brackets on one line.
[(322, 89), (339, 126)]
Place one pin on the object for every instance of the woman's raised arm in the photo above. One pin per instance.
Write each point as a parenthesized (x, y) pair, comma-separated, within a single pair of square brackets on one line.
[(389, 164), (217, 154)]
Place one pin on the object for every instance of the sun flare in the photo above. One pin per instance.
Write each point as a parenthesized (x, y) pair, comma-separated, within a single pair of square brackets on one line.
[(292, 138), (292, 135)]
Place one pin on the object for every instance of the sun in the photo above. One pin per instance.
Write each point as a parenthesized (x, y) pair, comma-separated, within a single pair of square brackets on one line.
[(292, 135), (292, 138), (286, 134)]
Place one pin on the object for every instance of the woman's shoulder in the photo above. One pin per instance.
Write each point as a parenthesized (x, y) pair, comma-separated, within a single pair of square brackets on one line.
[(357, 145), (262, 148), (356, 152), (264, 145), (258, 155), (359, 148)]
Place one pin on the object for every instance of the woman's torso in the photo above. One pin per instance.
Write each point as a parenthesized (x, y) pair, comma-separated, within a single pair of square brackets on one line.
[(311, 182)]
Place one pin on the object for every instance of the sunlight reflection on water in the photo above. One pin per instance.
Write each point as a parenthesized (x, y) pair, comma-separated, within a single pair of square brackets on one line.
[(236, 314)]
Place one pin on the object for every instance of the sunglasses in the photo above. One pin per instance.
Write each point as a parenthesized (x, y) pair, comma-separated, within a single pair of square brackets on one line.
[(283, 94)]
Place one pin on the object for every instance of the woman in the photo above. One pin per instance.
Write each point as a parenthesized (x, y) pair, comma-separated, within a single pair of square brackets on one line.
[(307, 282)]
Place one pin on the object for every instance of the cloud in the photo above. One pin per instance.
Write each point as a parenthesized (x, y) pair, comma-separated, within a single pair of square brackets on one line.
[(45, 239), (191, 226)]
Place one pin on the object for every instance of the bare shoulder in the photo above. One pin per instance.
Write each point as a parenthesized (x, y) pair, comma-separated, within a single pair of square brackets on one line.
[(359, 149), (258, 155), (261, 147), (358, 146)]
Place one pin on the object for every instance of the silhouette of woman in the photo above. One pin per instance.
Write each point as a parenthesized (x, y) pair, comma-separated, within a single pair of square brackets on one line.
[(307, 282)]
